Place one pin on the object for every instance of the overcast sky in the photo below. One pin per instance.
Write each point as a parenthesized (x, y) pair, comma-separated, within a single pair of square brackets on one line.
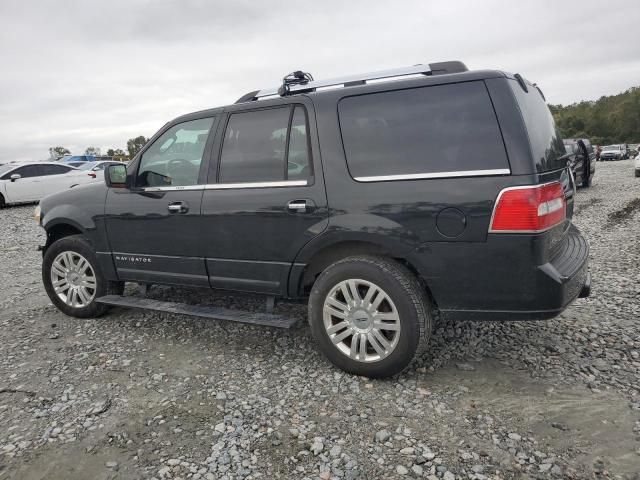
[(96, 72)]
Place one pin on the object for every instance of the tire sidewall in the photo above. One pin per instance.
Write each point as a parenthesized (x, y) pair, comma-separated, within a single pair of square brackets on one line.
[(78, 245), (409, 322)]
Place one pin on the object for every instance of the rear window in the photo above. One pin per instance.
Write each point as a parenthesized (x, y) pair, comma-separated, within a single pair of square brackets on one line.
[(545, 139), (443, 129)]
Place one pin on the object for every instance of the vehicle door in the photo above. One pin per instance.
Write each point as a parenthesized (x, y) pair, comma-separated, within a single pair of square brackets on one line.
[(154, 226), (25, 188), (266, 198), (56, 178)]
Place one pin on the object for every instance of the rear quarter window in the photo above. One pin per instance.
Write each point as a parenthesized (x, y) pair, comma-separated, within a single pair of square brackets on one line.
[(546, 142), (442, 129)]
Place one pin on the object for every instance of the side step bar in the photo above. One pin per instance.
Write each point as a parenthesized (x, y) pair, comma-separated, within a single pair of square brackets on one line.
[(206, 311)]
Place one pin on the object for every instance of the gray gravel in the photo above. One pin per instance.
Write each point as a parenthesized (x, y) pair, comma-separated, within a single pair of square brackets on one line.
[(148, 395)]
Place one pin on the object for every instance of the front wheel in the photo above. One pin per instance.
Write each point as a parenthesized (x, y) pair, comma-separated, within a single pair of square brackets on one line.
[(369, 315), (73, 280)]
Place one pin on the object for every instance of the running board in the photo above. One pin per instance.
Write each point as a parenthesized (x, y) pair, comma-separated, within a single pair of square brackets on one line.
[(206, 311)]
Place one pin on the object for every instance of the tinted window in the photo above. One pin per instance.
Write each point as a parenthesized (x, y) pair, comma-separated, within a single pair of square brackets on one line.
[(435, 129), (254, 146), (298, 159), (174, 158), (54, 169), (28, 171), (544, 137)]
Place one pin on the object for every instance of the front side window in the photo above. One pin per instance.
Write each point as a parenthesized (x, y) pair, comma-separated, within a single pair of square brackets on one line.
[(28, 171), (427, 130), (266, 146), (174, 158)]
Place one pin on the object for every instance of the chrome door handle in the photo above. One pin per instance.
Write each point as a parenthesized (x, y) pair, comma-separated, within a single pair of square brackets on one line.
[(297, 206), (301, 206), (178, 207)]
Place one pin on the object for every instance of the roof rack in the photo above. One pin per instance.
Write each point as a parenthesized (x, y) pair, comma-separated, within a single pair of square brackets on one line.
[(289, 88)]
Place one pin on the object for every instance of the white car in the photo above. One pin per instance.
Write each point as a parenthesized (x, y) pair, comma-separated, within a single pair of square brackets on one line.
[(636, 164), (95, 170), (32, 181)]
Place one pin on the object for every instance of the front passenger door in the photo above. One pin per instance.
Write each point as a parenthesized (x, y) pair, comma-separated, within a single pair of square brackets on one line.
[(27, 187), (154, 227)]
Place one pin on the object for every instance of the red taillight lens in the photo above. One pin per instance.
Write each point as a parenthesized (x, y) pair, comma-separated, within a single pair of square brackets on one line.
[(92, 175), (529, 209)]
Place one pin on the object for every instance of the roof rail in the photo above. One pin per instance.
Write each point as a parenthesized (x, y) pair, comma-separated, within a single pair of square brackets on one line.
[(439, 68)]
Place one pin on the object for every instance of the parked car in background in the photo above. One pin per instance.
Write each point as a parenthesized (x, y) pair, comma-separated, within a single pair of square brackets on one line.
[(636, 164), (32, 181), (95, 170), (614, 152), (582, 160), (77, 159), (634, 149)]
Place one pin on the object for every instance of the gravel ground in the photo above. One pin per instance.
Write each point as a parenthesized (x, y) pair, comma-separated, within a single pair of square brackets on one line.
[(142, 395)]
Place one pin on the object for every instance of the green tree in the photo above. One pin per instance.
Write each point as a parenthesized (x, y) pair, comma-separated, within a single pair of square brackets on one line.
[(610, 119), (134, 145), (95, 151), (58, 152)]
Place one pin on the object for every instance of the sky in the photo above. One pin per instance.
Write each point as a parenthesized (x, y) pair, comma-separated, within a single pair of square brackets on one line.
[(96, 73)]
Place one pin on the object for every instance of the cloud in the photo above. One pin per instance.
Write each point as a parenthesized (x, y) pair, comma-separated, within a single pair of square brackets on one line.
[(80, 73)]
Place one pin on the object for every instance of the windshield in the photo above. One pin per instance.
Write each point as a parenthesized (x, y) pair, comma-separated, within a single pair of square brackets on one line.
[(5, 168), (87, 165), (612, 147)]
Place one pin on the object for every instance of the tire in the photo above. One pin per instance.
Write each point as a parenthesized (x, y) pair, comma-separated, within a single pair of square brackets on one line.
[(2, 202), (64, 257), (637, 173), (404, 299)]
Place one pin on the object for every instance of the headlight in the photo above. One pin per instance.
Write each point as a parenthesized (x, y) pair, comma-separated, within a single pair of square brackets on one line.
[(36, 215)]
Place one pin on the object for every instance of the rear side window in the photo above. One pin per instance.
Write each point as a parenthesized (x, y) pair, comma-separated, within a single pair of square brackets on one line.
[(54, 169), (547, 147), (428, 130), (266, 146)]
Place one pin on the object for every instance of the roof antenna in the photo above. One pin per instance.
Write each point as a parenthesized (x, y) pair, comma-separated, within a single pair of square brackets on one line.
[(294, 78)]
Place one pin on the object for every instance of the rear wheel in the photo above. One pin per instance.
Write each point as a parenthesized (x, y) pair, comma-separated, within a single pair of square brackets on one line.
[(2, 202), (369, 315), (73, 279)]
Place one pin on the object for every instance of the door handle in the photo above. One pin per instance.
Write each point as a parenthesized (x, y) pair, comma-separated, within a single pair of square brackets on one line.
[(300, 206), (178, 207)]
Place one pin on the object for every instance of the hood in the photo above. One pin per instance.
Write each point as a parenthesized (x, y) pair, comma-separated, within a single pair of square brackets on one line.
[(79, 196)]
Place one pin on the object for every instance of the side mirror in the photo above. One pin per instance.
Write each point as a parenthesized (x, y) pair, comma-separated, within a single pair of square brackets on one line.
[(15, 176), (116, 176)]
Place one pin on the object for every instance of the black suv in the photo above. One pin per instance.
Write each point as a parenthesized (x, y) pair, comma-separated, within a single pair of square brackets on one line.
[(383, 199)]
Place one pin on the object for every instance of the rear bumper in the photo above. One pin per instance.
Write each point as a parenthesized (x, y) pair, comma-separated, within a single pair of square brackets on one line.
[(510, 284)]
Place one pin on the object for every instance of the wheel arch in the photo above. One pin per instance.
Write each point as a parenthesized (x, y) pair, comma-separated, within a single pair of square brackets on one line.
[(303, 275), (60, 229)]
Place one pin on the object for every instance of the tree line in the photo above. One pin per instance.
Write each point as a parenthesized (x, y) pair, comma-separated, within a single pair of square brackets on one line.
[(609, 120), (134, 145)]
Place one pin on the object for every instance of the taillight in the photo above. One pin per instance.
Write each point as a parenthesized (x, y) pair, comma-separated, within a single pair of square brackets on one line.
[(91, 174), (529, 209)]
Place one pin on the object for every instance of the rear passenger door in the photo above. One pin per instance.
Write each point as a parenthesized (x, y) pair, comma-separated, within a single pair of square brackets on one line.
[(265, 197), (56, 178)]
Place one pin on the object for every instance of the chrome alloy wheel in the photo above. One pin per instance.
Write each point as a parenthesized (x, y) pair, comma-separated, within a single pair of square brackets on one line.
[(361, 320), (73, 279)]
